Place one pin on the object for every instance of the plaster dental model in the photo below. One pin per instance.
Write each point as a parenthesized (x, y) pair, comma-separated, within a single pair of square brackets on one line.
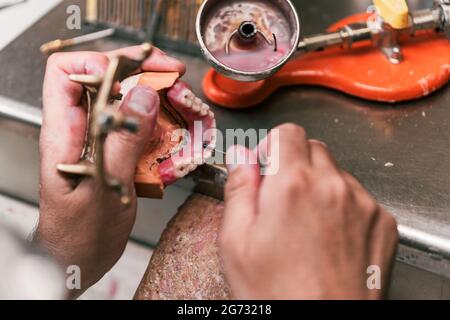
[(174, 151)]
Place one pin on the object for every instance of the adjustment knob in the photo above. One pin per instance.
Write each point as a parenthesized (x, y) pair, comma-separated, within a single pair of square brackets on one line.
[(394, 12)]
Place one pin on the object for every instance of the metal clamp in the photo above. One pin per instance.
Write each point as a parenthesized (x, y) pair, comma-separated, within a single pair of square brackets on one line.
[(102, 120), (444, 9)]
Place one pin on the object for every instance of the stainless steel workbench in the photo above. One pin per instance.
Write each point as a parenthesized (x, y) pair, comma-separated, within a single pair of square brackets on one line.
[(364, 136)]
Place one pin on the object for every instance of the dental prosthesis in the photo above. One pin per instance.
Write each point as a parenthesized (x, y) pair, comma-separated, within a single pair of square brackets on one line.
[(175, 149)]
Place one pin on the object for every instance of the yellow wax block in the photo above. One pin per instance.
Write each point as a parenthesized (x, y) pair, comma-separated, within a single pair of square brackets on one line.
[(394, 12), (91, 10)]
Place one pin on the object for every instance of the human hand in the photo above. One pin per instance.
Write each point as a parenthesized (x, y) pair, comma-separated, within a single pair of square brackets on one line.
[(81, 222), (311, 231)]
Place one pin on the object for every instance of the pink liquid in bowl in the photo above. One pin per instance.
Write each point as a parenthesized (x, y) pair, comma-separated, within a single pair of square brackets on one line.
[(256, 59)]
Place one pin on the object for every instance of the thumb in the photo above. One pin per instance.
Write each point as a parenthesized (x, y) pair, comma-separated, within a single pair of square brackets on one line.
[(124, 149), (241, 191)]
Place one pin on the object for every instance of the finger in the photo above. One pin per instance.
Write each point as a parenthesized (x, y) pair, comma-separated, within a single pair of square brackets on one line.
[(64, 116), (123, 149), (284, 147), (383, 246), (321, 157), (382, 234), (241, 192), (355, 184), (157, 61), (367, 204)]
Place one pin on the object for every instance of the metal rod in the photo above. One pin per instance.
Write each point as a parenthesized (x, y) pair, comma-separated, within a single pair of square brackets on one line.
[(56, 45), (429, 19), (11, 3), (155, 19)]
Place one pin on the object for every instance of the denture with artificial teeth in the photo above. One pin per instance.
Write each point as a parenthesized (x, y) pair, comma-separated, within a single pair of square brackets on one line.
[(169, 156)]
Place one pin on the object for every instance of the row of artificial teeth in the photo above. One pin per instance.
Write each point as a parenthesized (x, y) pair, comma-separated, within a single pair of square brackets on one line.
[(188, 165), (207, 152), (192, 102), (182, 169), (189, 99), (197, 159), (213, 122)]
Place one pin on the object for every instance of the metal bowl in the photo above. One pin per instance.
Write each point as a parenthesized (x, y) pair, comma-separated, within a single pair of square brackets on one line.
[(222, 25)]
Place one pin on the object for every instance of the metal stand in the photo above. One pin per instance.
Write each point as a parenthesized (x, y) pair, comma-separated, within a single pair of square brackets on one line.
[(102, 120)]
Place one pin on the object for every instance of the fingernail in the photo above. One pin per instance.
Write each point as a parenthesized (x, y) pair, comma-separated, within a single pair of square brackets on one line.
[(143, 100), (238, 156), (319, 142), (172, 60)]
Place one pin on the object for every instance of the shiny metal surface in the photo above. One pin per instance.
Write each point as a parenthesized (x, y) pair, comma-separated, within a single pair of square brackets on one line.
[(284, 10), (19, 159), (401, 153)]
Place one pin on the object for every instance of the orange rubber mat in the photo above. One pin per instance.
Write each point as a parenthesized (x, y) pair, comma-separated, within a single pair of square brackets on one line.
[(363, 71)]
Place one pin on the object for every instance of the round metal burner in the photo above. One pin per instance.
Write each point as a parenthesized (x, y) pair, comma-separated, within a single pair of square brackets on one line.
[(248, 40)]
